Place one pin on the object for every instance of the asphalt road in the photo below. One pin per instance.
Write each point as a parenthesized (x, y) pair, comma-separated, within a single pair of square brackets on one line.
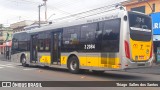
[(10, 71)]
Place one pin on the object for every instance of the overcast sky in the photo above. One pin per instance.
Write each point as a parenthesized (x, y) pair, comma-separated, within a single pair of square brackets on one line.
[(18, 10)]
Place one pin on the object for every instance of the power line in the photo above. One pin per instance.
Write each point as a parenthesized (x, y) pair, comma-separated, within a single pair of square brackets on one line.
[(30, 1), (59, 10), (20, 1), (79, 15), (49, 6), (66, 3)]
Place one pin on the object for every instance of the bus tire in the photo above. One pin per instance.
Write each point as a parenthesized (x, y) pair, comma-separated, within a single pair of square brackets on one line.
[(24, 63), (73, 65)]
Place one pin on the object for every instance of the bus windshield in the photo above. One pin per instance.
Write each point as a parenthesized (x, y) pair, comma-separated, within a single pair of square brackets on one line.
[(140, 27)]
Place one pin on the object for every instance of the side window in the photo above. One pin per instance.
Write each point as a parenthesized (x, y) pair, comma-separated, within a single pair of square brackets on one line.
[(71, 35), (71, 38), (14, 44), (22, 45), (111, 30), (99, 36), (22, 42), (41, 44), (41, 37), (47, 42), (88, 33), (111, 35), (43, 41)]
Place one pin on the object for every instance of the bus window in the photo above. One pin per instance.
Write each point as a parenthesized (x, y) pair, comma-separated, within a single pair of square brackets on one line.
[(88, 33), (14, 44), (71, 35), (140, 27), (71, 38), (47, 44), (111, 35), (41, 45), (22, 45), (43, 42)]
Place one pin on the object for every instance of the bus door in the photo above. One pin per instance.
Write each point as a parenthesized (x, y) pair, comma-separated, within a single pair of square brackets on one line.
[(56, 46), (34, 48)]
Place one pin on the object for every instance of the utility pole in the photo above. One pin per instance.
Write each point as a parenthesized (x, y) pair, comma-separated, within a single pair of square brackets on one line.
[(39, 14), (45, 4)]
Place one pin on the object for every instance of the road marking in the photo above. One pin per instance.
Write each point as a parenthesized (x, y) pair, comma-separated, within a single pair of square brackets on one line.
[(10, 66), (6, 66)]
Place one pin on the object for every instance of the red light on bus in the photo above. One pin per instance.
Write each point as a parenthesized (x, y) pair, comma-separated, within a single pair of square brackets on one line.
[(127, 50)]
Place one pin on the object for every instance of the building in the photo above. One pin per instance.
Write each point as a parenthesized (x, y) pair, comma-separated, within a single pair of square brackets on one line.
[(35, 25), (5, 35), (144, 6), (19, 26), (25, 25), (5, 40)]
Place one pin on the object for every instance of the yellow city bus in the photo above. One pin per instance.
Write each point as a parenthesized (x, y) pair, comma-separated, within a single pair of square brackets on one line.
[(115, 40)]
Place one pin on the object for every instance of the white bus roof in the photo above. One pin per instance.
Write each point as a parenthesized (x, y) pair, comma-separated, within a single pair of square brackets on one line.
[(91, 19)]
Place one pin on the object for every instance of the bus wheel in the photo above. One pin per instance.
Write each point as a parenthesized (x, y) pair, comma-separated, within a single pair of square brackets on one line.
[(24, 64), (73, 65)]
